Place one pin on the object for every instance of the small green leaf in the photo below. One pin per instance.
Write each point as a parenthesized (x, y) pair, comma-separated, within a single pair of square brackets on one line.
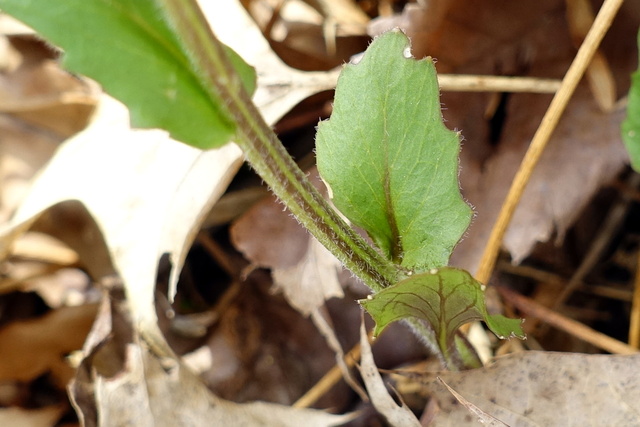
[(130, 49), (631, 125), (446, 298), (390, 162)]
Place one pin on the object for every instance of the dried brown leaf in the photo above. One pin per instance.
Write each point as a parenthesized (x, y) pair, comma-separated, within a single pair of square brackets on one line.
[(41, 417), (302, 268), (31, 348), (36, 90), (584, 154)]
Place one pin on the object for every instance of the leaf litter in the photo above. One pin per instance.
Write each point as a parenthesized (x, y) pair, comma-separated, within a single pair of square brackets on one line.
[(111, 204), (610, 168)]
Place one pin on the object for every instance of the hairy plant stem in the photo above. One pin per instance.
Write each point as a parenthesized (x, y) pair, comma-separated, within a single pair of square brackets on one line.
[(269, 158), (266, 154)]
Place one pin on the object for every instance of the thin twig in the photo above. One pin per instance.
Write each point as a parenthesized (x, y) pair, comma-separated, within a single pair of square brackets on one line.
[(570, 326), (606, 290), (607, 231), (476, 83), (541, 138), (634, 323), (329, 380)]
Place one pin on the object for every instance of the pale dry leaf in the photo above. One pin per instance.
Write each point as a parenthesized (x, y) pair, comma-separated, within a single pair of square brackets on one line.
[(121, 383), (11, 26), (279, 89), (44, 248), (259, 232), (37, 91), (312, 35), (149, 194), (41, 417), (23, 151), (9, 56), (396, 415), (16, 274), (343, 16), (483, 417), (302, 269), (130, 182), (42, 264), (544, 389), (64, 287), (312, 281), (147, 384)]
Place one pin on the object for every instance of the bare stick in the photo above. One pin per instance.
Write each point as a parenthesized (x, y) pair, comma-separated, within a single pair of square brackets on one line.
[(541, 138), (570, 326), (474, 83)]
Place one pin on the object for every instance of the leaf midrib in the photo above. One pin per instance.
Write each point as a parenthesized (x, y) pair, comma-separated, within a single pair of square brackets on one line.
[(396, 248)]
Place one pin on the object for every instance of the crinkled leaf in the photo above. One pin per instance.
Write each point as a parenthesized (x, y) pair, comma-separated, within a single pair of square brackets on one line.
[(131, 50), (631, 125), (446, 298), (389, 160)]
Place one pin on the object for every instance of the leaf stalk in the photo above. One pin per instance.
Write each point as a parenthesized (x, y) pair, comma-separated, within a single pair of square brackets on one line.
[(266, 154)]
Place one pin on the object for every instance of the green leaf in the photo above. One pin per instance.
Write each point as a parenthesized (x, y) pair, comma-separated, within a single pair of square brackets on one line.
[(131, 50), (446, 298), (390, 162), (631, 125)]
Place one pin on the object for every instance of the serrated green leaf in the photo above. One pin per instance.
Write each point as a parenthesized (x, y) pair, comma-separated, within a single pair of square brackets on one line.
[(129, 48), (446, 298), (631, 125), (389, 160)]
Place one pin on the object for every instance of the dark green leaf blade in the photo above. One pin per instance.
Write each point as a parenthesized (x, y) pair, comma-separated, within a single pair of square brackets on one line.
[(129, 48), (446, 298), (391, 163), (631, 125)]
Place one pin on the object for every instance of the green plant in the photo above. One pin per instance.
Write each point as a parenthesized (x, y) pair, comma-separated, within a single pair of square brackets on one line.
[(406, 198), (631, 125)]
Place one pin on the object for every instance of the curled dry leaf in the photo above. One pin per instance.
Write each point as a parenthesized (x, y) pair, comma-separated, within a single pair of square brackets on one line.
[(147, 193), (44, 105), (312, 280), (126, 197), (396, 415), (36, 90), (121, 383), (129, 182), (24, 151)]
